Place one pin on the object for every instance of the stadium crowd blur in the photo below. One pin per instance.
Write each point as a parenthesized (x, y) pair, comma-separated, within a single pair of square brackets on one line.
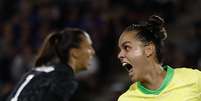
[(24, 23)]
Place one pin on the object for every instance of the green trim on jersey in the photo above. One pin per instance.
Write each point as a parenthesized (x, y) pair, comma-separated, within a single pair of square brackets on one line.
[(168, 77)]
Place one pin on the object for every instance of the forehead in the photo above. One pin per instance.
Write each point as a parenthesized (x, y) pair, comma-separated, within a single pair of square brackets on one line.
[(128, 37)]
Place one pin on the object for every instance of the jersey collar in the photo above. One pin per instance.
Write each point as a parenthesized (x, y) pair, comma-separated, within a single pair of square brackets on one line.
[(166, 81)]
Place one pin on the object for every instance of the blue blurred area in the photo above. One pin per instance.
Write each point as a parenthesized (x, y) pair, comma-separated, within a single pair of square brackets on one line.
[(25, 23)]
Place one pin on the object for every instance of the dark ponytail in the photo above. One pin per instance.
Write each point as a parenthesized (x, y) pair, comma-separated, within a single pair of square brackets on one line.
[(152, 31), (57, 45), (45, 54)]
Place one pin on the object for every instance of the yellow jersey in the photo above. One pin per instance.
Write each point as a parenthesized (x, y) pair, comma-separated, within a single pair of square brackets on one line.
[(182, 84)]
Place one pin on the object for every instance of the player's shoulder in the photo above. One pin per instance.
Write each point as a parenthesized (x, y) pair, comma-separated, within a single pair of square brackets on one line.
[(187, 73), (186, 70), (54, 72)]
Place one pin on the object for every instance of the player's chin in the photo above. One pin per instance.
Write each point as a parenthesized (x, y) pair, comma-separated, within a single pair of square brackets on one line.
[(83, 68), (86, 66), (133, 79)]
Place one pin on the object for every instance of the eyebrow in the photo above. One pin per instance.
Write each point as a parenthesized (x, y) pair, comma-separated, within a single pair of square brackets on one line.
[(125, 43)]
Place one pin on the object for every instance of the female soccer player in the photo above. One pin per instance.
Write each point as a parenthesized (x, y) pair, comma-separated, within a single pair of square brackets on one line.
[(140, 53), (62, 54)]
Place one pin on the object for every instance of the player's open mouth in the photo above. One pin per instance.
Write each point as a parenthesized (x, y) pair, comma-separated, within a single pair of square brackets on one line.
[(127, 66)]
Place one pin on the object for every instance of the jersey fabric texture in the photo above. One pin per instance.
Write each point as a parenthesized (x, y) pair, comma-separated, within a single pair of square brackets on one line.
[(47, 83), (181, 84)]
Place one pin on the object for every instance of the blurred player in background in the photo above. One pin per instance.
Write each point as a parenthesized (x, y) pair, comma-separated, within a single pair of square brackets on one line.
[(61, 56), (140, 53)]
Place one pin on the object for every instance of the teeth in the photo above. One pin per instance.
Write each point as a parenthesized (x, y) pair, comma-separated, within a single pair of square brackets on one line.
[(124, 64)]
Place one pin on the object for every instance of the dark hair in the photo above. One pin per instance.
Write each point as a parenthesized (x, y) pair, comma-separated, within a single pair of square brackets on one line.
[(57, 45), (152, 31)]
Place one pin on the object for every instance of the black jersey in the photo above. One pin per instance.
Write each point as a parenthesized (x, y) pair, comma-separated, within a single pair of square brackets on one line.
[(46, 83)]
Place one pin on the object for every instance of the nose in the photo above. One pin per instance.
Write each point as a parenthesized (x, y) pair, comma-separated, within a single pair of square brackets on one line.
[(121, 55)]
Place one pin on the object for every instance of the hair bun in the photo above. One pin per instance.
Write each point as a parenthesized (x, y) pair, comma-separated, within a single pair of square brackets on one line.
[(156, 24)]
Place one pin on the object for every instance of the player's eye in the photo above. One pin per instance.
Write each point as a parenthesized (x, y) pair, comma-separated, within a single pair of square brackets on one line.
[(127, 48)]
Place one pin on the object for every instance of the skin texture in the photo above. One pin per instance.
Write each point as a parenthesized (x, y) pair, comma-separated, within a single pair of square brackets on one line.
[(81, 57), (142, 57)]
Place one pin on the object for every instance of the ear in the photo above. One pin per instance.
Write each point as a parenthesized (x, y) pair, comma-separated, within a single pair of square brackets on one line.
[(74, 53), (149, 49)]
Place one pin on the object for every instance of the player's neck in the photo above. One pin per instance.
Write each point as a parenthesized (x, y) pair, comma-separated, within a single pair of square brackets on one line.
[(154, 78), (72, 63)]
